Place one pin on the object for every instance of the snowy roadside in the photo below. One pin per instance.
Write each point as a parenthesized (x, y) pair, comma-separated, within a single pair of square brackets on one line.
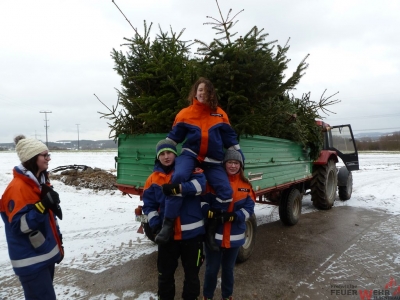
[(100, 232)]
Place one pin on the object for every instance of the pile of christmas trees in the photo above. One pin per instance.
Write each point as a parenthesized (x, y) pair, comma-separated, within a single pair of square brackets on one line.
[(247, 72)]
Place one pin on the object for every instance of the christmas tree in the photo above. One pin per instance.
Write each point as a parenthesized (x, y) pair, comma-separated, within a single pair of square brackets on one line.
[(248, 73)]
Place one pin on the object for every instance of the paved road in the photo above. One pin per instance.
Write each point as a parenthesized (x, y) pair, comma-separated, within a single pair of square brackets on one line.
[(328, 255), (331, 254)]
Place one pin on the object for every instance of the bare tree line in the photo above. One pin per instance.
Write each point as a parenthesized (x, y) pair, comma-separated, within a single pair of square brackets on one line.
[(389, 142)]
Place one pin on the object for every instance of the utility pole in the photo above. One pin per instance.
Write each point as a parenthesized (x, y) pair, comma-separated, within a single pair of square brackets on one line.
[(45, 119), (77, 125)]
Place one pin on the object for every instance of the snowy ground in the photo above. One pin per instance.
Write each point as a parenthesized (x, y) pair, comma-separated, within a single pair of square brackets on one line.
[(99, 229)]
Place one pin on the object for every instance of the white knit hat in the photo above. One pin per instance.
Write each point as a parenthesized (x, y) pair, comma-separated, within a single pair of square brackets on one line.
[(28, 148)]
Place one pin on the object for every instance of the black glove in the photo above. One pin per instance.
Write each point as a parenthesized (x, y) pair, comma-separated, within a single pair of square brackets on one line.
[(156, 229), (228, 217), (213, 213), (49, 199), (171, 189)]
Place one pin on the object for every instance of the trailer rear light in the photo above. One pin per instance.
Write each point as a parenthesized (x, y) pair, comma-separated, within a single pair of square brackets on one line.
[(138, 214), (138, 210)]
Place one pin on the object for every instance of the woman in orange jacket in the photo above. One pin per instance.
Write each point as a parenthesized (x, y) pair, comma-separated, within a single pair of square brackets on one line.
[(205, 132), (29, 207)]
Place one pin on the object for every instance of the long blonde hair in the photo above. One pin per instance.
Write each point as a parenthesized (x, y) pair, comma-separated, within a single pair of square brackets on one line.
[(210, 93), (243, 177)]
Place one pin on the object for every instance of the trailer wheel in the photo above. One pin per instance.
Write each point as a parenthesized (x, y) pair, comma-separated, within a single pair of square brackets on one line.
[(323, 185), (290, 207), (147, 231), (250, 240), (346, 190)]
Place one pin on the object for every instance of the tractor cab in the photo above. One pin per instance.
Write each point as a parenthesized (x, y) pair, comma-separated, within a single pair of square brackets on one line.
[(340, 138)]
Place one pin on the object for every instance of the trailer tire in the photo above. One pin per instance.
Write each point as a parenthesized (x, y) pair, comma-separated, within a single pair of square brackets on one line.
[(324, 185), (346, 190), (148, 232), (290, 207), (247, 248)]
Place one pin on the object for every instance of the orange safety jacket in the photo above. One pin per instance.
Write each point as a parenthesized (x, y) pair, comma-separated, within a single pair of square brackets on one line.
[(232, 234), (205, 132), (33, 238)]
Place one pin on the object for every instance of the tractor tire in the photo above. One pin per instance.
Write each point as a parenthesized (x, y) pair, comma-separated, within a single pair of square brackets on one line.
[(324, 185), (346, 191), (148, 232), (247, 248), (290, 207)]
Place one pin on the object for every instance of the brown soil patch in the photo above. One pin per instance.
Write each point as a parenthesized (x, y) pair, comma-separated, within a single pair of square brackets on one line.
[(91, 178)]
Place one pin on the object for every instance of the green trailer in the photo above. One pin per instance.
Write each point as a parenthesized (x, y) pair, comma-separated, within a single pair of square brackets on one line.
[(279, 170)]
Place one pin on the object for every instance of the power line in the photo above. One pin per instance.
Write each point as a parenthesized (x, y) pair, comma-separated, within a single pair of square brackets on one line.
[(45, 119), (77, 125)]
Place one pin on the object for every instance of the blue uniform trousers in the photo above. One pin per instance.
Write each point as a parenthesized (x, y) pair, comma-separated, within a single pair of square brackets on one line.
[(225, 258), (216, 178), (39, 286)]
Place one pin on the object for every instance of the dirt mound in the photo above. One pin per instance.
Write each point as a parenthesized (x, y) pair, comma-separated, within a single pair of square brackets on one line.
[(91, 178)]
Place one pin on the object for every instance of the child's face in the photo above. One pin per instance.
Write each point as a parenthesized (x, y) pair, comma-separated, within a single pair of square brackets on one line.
[(166, 158), (232, 167), (200, 93)]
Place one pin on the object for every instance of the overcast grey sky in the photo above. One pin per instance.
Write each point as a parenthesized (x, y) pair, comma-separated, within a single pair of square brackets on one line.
[(55, 55)]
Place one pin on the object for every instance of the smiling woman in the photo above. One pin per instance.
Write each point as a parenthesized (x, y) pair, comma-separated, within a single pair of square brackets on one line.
[(28, 208)]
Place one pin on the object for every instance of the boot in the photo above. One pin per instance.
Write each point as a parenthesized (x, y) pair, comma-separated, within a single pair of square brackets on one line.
[(210, 235), (166, 231), (205, 298), (229, 298)]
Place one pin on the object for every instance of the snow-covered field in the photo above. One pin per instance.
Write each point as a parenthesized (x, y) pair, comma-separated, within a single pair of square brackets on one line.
[(99, 229)]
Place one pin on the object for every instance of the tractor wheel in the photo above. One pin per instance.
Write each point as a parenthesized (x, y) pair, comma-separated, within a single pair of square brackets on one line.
[(323, 185), (148, 232), (290, 207), (250, 242), (346, 190)]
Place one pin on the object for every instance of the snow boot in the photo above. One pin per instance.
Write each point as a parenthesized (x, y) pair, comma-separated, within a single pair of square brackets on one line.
[(166, 231), (210, 235)]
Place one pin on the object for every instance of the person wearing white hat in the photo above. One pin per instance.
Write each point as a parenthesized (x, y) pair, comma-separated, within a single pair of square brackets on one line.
[(29, 208)]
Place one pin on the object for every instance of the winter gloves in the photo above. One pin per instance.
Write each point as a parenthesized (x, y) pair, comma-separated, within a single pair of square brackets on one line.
[(156, 229), (49, 200), (213, 213), (228, 217), (222, 217), (171, 189)]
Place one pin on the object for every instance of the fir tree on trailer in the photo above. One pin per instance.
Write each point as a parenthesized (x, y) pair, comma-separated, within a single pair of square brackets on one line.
[(248, 73)]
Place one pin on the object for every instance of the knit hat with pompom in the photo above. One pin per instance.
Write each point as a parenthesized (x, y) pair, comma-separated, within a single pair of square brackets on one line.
[(27, 148)]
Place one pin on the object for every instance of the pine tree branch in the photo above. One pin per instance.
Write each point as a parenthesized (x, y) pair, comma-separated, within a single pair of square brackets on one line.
[(125, 17)]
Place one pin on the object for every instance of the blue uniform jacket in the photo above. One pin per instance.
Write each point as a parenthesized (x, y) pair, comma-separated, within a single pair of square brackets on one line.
[(232, 234), (34, 239), (190, 222)]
